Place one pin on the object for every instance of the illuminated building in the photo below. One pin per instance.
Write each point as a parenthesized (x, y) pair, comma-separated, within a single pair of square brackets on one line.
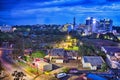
[(91, 24), (88, 24), (106, 24), (6, 28), (74, 22), (89, 20), (94, 24), (67, 27)]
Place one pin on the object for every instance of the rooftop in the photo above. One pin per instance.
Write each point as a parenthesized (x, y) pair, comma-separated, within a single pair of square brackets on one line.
[(57, 52), (94, 60), (112, 49), (95, 77), (62, 52)]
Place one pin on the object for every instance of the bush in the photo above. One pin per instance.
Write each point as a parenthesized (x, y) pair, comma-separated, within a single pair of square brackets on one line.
[(32, 70), (65, 70), (104, 67), (38, 54)]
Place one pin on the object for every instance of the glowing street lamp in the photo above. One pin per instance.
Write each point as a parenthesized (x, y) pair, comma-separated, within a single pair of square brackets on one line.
[(68, 37), (37, 67)]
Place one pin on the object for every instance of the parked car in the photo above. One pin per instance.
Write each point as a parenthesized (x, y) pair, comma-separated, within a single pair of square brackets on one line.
[(73, 71), (61, 75)]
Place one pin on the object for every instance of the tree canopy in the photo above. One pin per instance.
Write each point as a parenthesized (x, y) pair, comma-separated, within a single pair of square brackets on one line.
[(38, 54)]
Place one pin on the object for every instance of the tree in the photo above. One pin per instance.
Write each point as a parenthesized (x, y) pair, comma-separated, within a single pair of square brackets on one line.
[(38, 54), (104, 67), (102, 54), (86, 50), (65, 69)]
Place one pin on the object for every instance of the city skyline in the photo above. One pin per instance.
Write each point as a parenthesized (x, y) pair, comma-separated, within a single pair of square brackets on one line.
[(57, 11)]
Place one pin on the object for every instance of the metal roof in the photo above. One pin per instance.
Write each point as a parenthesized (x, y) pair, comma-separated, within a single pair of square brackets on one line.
[(93, 60)]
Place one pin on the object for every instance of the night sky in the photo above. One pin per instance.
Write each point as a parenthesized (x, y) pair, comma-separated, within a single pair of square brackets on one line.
[(14, 12)]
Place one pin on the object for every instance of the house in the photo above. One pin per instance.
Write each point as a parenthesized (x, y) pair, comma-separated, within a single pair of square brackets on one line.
[(92, 62), (83, 77), (6, 28), (93, 76), (41, 64), (56, 54), (113, 56), (90, 76), (72, 54), (60, 55), (110, 49)]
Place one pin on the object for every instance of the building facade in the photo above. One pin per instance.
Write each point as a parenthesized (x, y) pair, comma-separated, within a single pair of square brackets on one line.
[(92, 62), (106, 24), (91, 24), (6, 28)]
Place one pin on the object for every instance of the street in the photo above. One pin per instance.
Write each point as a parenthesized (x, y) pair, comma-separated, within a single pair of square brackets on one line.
[(9, 64)]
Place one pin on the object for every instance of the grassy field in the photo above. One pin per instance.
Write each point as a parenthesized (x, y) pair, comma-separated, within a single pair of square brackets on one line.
[(74, 48)]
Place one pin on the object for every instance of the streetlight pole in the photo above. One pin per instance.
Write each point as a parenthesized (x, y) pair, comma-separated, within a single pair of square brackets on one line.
[(37, 68)]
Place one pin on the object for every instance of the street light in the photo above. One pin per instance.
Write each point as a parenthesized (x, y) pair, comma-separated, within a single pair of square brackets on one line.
[(68, 37), (37, 67)]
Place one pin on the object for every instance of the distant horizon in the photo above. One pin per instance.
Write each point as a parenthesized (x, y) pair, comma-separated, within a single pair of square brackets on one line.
[(41, 24), (47, 24), (31, 12)]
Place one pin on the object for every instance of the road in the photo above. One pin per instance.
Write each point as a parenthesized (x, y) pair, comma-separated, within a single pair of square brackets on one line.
[(9, 64)]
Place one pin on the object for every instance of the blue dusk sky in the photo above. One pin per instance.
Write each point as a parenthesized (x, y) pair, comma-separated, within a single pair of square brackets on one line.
[(19, 12)]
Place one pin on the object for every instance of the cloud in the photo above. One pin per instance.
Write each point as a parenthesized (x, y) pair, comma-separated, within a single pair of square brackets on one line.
[(73, 9), (114, 7), (58, 11)]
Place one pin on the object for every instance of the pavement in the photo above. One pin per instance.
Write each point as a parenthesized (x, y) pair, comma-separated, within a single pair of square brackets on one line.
[(10, 67)]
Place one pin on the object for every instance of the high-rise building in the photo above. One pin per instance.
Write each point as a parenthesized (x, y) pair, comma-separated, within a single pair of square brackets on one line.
[(74, 22), (89, 20), (94, 25), (88, 24), (102, 24), (91, 24), (106, 24)]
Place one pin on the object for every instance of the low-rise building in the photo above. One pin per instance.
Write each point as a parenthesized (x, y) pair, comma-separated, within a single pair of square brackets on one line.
[(93, 76), (41, 64), (118, 36), (113, 56), (90, 76), (60, 55), (6, 28), (92, 62)]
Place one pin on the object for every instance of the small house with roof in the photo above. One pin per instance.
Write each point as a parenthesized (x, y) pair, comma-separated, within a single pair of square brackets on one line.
[(60, 55), (92, 62)]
